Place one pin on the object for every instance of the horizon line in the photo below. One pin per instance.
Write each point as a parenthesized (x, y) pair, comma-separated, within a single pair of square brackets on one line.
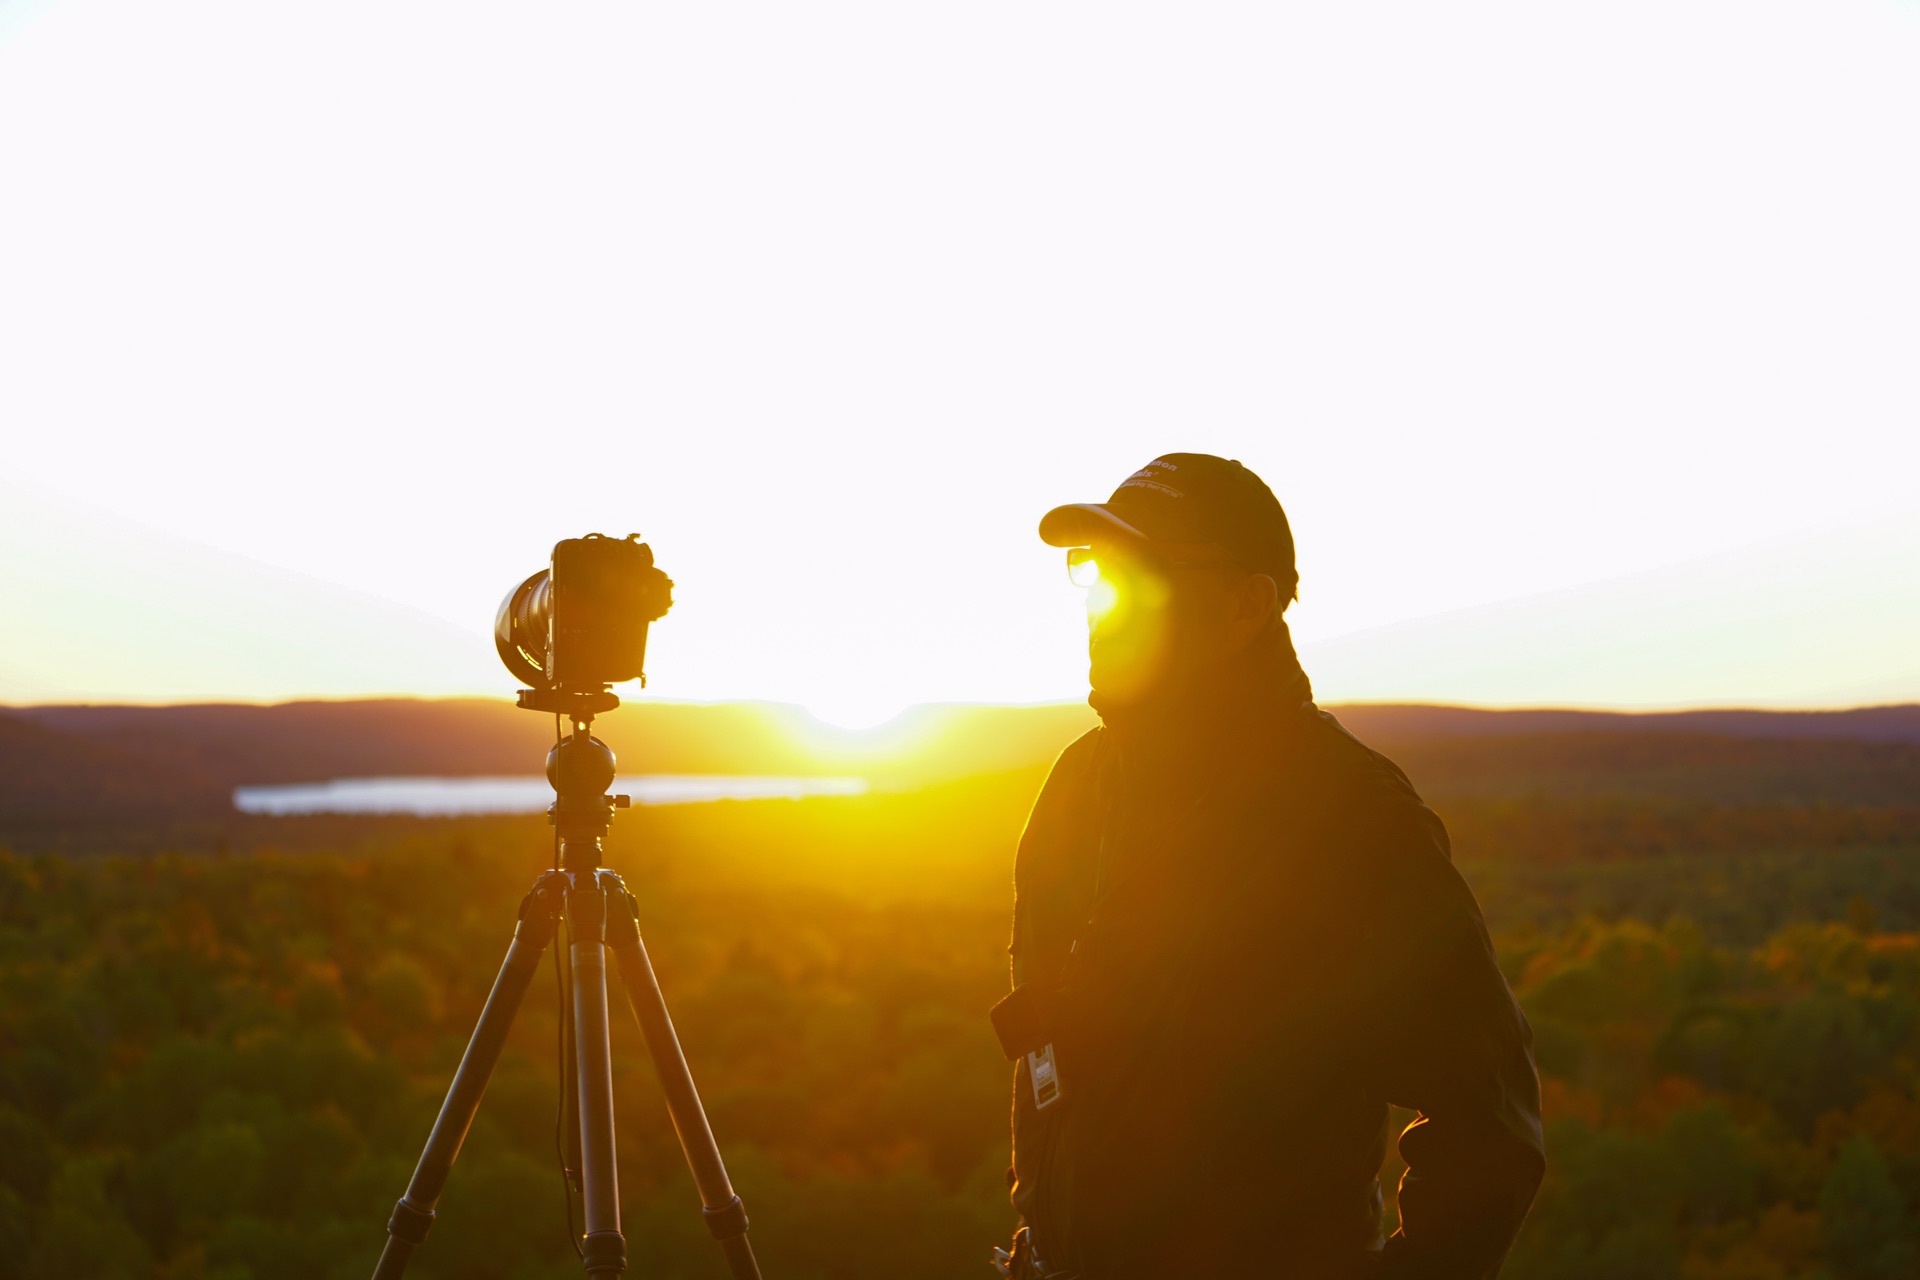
[(1651, 709)]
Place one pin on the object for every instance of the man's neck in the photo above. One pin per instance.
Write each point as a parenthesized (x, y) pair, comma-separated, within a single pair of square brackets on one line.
[(1190, 729)]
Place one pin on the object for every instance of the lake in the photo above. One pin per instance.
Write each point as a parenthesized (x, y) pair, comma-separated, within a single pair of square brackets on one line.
[(455, 797)]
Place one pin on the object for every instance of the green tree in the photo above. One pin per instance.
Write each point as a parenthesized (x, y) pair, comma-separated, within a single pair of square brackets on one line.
[(1607, 1210), (1712, 1163), (1864, 1217), (84, 1236), (16, 1234)]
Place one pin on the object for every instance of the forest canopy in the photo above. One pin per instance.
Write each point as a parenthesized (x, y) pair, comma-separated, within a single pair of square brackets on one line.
[(219, 1064)]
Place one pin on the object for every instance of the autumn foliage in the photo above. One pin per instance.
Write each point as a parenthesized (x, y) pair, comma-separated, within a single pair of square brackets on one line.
[(219, 1066)]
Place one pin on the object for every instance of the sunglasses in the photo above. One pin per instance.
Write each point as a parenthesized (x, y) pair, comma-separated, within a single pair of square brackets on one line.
[(1083, 567)]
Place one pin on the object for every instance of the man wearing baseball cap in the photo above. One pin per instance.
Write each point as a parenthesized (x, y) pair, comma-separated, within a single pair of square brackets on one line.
[(1238, 939)]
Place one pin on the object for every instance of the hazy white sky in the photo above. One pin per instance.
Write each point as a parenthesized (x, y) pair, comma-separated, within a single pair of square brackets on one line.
[(1561, 331)]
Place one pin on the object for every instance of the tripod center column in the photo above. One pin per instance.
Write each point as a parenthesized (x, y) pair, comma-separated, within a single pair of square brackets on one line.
[(603, 1245)]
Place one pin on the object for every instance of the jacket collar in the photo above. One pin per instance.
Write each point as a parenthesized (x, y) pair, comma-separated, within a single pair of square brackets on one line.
[(1219, 719)]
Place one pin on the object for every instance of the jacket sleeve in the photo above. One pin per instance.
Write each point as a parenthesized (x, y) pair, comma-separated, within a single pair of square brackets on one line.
[(1042, 893), (1456, 1049), (1044, 884)]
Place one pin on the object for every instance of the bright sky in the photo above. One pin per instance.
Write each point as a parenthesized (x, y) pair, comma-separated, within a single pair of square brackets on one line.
[(1579, 341)]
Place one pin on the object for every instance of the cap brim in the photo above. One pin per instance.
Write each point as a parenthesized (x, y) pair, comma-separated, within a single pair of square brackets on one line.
[(1078, 524)]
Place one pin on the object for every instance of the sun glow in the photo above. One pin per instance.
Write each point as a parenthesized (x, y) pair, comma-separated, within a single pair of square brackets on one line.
[(864, 383), (856, 709)]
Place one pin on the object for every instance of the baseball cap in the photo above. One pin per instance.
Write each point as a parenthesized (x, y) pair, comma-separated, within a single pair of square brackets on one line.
[(1188, 497)]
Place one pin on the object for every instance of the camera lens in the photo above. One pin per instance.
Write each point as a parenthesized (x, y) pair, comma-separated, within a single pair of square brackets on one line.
[(520, 629)]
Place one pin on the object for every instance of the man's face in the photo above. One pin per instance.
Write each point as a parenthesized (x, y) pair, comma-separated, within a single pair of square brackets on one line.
[(1151, 625)]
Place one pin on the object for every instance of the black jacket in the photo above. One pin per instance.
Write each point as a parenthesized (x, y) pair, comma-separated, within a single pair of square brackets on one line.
[(1238, 966)]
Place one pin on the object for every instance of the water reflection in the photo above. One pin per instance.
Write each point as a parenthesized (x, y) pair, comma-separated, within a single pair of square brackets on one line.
[(451, 797)]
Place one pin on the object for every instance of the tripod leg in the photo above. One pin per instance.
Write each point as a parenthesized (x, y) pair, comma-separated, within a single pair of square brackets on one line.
[(726, 1217), (569, 1077), (413, 1215), (604, 1247)]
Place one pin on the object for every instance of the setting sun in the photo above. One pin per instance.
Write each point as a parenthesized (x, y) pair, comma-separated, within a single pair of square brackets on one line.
[(855, 711)]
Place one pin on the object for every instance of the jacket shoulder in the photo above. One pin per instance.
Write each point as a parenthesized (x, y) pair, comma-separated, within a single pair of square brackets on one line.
[(1073, 771), (1079, 755), (1365, 790), (1333, 752), (1065, 798)]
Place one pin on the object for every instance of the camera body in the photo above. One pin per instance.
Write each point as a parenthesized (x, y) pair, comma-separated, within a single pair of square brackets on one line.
[(581, 624)]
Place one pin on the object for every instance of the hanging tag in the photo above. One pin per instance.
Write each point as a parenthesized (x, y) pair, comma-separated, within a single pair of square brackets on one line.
[(1044, 1076)]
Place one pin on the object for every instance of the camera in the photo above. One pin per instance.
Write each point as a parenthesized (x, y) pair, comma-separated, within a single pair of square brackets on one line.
[(580, 624)]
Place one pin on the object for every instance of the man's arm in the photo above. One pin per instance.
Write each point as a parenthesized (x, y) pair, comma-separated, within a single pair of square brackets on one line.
[(1048, 884), (1457, 1049), (1044, 897)]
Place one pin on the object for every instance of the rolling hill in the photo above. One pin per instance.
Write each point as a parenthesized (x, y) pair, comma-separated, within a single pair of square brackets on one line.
[(69, 769)]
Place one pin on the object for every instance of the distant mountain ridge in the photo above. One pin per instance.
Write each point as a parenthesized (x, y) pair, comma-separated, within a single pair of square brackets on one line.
[(1408, 721), (314, 741), (66, 764), (48, 777)]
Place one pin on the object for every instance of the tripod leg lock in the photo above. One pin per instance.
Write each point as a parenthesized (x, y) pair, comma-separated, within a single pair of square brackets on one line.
[(726, 1222), (605, 1253), (543, 903), (410, 1224)]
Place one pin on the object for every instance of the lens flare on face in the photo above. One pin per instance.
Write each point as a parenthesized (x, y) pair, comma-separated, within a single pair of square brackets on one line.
[(1083, 568), (1129, 632), (1102, 595)]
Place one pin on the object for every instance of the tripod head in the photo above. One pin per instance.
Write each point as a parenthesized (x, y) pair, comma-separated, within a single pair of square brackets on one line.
[(578, 705), (581, 768)]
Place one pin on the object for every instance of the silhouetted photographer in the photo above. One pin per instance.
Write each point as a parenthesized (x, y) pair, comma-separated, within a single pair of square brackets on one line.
[(1238, 937)]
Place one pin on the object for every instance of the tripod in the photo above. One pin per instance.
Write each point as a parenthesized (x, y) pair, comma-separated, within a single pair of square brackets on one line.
[(601, 917)]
